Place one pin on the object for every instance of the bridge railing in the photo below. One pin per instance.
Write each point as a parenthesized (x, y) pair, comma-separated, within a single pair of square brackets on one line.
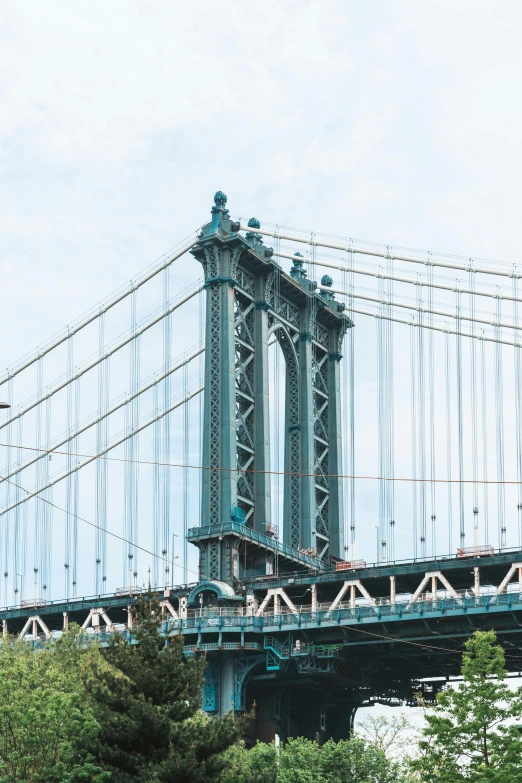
[(305, 616), (358, 612)]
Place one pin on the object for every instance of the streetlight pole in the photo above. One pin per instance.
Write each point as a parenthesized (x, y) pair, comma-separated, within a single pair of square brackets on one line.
[(377, 541)]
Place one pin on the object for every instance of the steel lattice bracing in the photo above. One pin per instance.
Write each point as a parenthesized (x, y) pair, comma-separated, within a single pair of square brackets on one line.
[(249, 299)]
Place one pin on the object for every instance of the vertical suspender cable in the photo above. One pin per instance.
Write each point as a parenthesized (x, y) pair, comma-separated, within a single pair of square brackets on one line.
[(391, 419), (484, 412), (46, 569), (351, 348), (20, 515), (71, 482), (135, 442), (413, 397), (5, 537), (166, 424), (97, 543), (5, 552), (132, 454), (102, 436), (421, 396), (40, 468), (157, 495), (379, 323), (518, 410), (75, 486), (186, 472), (462, 534), (448, 440), (499, 410), (474, 440), (346, 438), (105, 482), (201, 299), (69, 463), (431, 381)]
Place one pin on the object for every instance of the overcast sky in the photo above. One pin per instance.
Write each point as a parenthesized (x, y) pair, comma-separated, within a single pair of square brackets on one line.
[(395, 122)]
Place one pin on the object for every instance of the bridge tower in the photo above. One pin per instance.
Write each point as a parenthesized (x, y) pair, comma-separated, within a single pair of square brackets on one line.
[(249, 301)]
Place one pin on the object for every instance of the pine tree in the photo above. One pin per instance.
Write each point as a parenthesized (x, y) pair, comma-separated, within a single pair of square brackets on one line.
[(151, 724)]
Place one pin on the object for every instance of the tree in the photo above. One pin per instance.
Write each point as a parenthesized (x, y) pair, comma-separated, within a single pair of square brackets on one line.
[(304, 761), (395, 735), (46, 723), (470, 734), (151, 723), (257, 765), (355, 760)]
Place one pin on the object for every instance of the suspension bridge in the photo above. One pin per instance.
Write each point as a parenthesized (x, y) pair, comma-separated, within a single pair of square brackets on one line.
[(320, 478)]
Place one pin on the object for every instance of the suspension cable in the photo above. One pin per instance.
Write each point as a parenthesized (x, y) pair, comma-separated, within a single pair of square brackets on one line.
[(93, 315), (137, 332), (429, 261), (117, 405)]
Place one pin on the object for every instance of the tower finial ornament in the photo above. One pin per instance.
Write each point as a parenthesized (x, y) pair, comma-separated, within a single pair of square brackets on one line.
[(297, 271), (251, 238), (327, 282), (220, 199)]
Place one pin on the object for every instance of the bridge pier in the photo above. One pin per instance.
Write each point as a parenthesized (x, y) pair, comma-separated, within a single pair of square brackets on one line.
[(313, 709), (309, 706), (226, 700)]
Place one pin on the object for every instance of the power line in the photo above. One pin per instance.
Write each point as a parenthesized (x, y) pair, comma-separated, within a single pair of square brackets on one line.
[(253, 470)]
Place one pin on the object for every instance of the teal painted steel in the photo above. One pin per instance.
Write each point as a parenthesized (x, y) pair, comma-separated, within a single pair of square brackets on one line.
[(211, 531), (249, 297)]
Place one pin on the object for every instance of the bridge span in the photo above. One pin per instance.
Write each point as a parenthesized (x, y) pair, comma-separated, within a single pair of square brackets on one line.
[(308, 649)]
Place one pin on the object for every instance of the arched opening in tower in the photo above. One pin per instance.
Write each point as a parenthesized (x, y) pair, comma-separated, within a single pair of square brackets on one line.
[(277, 426)]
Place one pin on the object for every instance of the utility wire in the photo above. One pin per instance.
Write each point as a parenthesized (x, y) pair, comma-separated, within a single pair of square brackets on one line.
[(253, 470)]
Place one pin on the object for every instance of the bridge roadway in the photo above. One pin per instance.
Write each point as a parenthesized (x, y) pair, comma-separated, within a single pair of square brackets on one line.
[(308, 649)]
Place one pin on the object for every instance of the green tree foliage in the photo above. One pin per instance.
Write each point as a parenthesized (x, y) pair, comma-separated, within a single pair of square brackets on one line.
[(470, 734), (151, 724), (304, 761), (46, 722), (258, 765)]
